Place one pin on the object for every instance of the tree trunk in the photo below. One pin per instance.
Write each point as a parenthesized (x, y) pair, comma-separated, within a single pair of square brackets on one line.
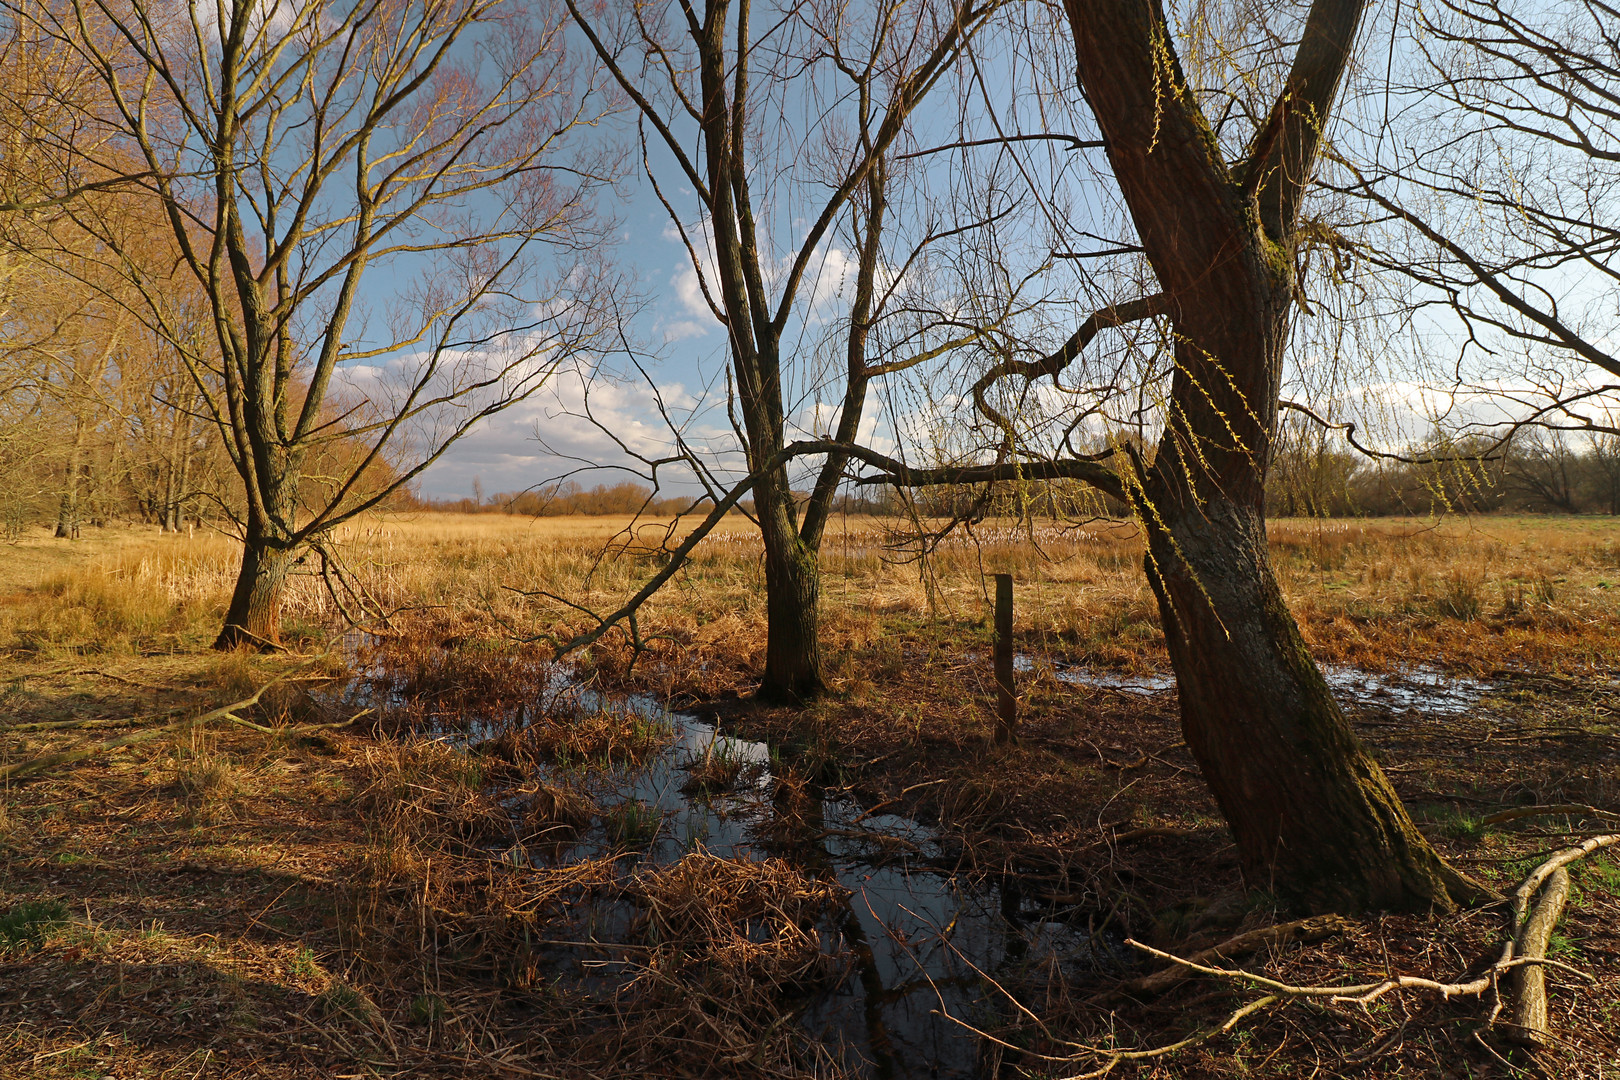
[(179, 473), (254, 617), (1314, 818), (792, 600), (67, 511)]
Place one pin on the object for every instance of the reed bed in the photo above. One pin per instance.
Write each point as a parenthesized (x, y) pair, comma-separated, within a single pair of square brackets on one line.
[(1465, 592)]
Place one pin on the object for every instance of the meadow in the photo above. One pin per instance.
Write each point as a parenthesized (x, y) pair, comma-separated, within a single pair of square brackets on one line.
[(321, 879)]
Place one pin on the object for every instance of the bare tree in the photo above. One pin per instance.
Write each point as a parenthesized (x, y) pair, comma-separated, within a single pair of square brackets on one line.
[(300, 151), (716, 87), (1506, 228), (50, 126), (1544, 469)]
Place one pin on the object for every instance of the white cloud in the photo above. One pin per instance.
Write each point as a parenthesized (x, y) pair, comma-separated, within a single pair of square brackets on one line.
[(550, 434)]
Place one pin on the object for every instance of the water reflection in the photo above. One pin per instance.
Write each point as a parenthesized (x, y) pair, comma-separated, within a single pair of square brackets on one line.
[(1417, 686), (919, 935)]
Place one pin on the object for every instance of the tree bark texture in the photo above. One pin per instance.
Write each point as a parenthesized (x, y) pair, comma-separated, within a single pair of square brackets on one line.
[(792, 598), (253, 619), (1314, 818), (270, 546)]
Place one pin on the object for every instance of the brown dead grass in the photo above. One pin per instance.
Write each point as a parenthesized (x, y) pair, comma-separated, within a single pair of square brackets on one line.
[(342, 903)]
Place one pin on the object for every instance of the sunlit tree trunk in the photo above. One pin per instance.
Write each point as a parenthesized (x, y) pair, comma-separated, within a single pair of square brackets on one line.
[(792, 599), (269, 550), (67, 510), (1314, 818)]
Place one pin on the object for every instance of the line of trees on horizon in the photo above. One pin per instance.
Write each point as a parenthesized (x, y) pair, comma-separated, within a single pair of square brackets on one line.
[(1534, 472)]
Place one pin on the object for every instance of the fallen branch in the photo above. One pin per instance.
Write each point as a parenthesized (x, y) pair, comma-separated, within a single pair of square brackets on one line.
[(1536, 906), (1112, 1059), (96, 722), (1572, 809), (1314, 928), (45, 762), (1529, 983), (302, 729)]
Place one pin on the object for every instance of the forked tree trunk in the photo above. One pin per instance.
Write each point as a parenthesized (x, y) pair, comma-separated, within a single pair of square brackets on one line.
[(1314, 818), (254, 618), (792, 601)]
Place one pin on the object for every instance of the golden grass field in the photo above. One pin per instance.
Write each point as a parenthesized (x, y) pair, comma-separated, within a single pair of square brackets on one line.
[(1467, 593), (279, 898)]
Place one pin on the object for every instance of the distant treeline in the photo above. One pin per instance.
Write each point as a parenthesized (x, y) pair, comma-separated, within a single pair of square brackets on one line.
[(627, 497), (558, 500), (1534, 473)]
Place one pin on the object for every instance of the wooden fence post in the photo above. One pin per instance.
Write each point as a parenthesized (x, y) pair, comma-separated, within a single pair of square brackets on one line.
[(1006, 695)]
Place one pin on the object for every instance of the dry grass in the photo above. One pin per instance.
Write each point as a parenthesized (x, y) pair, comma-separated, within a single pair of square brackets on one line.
[(359, 901), (717, 770), (209, 781), (743, 923), (1375, 593)]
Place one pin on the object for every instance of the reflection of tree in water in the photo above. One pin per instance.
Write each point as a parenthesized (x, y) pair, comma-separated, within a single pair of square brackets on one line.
[(949, 947), (923, 944)]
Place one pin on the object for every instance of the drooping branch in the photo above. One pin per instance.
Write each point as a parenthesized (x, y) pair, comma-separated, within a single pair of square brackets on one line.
[(1493, 452), (1555, 329)]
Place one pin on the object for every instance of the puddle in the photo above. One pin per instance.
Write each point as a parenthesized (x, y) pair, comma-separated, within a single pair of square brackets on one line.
[(1423, 687), (913, 931), (920, 940)]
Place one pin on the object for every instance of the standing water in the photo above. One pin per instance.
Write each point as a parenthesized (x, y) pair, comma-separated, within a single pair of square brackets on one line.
[(919, 943)]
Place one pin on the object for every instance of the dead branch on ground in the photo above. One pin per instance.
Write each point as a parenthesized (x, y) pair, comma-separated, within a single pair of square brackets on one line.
[(1517, 979), (45, 762)]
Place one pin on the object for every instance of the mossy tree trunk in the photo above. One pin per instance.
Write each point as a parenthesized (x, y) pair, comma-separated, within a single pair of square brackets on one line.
[(1313, 816)]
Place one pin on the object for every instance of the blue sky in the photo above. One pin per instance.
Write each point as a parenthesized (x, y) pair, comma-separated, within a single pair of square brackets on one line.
[(1394, 384)]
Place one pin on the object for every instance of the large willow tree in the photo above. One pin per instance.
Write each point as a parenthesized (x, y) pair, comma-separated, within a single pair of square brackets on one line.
[(1312, 814)]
